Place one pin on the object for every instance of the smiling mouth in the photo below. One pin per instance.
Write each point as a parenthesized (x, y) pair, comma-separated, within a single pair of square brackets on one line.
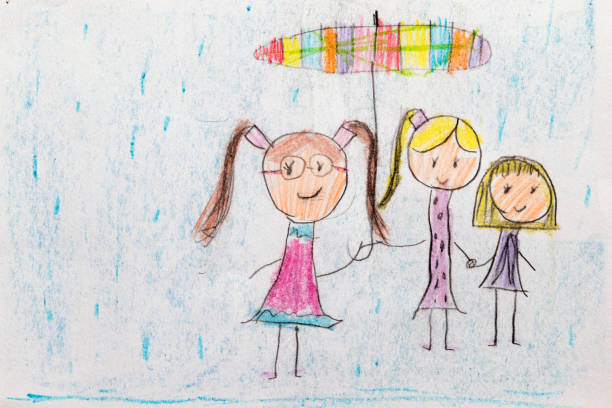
[(442, 182), (310, 196), (519, 210)]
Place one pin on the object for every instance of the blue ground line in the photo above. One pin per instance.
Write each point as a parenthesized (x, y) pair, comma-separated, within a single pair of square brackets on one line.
[(534, 393), (388, 389), (36, 398)]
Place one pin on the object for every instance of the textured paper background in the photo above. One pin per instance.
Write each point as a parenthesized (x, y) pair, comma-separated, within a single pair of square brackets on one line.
[(114, 120)]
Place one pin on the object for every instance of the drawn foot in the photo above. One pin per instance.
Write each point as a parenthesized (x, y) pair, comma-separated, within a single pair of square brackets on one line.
[(426, 346), (451, 348), (298, 373), (516, 342), (492, 343), (268, 376)]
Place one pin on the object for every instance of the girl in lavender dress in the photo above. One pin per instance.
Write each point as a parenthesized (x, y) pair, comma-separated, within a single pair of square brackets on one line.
[(306, 175), (444, 155), (514, 194)]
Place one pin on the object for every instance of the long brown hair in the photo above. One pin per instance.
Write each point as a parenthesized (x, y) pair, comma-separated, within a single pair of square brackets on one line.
[(219, 204), (365, 135)]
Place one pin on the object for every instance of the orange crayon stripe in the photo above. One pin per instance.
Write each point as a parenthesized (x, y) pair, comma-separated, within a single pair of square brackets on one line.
[(459, 58), (329, 56)]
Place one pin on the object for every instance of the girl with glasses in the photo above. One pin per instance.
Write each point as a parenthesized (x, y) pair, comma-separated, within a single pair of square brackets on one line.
[(306, 176)]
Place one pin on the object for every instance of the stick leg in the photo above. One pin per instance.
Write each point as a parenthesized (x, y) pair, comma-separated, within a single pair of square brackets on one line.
[(297, 352), (514, 341), (277, 349), (428, 347), (494, 322), (446, 331)]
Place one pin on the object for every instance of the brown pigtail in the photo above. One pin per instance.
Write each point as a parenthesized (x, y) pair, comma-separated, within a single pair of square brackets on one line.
[(369, 140), (219, 204)]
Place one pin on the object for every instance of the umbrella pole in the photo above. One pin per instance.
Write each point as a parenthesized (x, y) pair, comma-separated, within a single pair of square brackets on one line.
[(372, 73)]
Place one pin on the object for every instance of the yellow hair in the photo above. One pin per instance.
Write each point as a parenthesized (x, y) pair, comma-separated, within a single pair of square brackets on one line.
[(486, 214), (396, 161), (438, 129), (429, 135)]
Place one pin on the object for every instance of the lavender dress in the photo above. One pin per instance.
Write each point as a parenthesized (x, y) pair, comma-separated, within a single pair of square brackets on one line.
[(504, 270), (439, 294)]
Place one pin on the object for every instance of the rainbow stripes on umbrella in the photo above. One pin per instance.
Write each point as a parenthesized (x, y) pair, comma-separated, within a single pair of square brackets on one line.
[(405, 49)]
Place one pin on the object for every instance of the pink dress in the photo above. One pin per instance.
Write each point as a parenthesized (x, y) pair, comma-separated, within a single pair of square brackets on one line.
[(294, 296), (438, 294)]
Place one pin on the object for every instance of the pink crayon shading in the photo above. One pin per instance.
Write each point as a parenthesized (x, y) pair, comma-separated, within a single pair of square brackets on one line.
[(295, 290)]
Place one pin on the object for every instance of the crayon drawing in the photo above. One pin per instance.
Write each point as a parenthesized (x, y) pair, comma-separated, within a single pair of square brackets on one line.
[(305, 204), (515, 193), (444, 155), (306, 175)]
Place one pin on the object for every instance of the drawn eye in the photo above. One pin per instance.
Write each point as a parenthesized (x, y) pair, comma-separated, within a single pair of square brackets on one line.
[(433, 162), (320, 165), (507, 188), (455, 163), (292, 167), (533, 189)]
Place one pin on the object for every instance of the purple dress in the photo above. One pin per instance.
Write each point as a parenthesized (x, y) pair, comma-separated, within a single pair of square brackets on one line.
[(439, 294), (504, 270)]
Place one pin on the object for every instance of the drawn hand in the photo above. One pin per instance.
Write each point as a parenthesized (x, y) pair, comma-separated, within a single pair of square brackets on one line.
[(471, 263)]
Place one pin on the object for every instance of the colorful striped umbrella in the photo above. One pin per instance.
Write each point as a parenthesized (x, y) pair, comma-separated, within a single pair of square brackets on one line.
[(404, 49)]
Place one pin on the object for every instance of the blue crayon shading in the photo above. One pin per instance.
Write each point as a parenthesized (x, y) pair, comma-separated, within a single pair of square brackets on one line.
[(440, 47), (35, 166), (133, 141), (587, 196), (142, 81), (200, 49), (145, 348)]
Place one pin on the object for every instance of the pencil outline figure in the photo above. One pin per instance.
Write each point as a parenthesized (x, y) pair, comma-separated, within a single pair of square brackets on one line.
[(515, 193), (306, 174), (444, 155)]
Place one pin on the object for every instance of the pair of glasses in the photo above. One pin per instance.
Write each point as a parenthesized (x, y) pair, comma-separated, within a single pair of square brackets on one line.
[(293, 167)]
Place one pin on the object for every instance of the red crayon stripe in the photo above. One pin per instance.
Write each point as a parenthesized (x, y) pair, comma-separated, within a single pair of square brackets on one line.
[(275, 51)]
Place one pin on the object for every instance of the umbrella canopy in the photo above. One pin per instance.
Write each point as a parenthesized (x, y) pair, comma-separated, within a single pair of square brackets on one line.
[(404, 49)]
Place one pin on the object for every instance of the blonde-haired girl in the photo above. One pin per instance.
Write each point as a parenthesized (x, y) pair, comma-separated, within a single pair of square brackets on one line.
[(515, 193), (444, 155)]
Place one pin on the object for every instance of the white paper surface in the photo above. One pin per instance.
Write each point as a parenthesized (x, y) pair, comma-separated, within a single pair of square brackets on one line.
[(115, 118)]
